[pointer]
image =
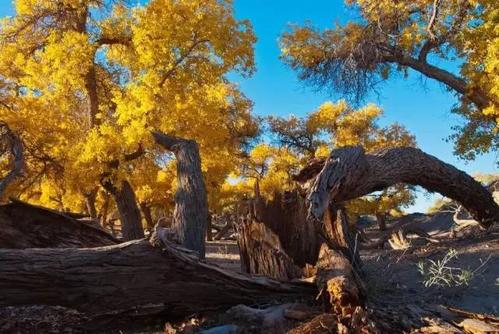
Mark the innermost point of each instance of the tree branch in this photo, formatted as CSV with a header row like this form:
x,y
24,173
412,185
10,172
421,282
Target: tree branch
x,y
350,173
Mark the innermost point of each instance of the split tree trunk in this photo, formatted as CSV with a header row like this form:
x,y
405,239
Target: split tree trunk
x,y
191,206
261,252
131,280
350,173
131,221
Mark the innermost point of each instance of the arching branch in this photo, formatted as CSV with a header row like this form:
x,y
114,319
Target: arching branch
x,y
12,143
350,173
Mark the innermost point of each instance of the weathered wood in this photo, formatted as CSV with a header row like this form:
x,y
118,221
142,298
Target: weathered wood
x,y
224,230
350,173
10,141
131,280
336,232
191,206
27,226
261,252
286,217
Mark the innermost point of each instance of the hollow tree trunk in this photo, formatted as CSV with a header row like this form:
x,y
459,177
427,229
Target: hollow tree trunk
x,y
131,221
350,173
130,280
11,141
191,206
275,239
146,211
261,252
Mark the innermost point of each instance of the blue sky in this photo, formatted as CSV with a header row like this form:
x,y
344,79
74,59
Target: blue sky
x,y
420,104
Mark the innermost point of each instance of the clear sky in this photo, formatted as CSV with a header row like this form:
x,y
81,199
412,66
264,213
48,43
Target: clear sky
x,y
420,104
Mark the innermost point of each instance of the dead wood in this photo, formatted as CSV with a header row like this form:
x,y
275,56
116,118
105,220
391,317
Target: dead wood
x,y
27,226
131,281
349,173
223,231
261,252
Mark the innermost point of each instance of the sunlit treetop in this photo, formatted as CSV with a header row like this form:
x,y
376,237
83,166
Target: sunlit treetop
x,y
395,36
85,83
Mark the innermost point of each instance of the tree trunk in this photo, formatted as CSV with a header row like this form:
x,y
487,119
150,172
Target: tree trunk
x,y
131,221
11,142
209,232
191,206
90,198
131,280
220,234
146,211
27,226
381,219
350,173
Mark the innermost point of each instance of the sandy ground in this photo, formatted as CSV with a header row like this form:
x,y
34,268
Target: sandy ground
x,y
392,275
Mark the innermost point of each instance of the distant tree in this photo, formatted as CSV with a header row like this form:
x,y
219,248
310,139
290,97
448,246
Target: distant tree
x,y
394,36
335,125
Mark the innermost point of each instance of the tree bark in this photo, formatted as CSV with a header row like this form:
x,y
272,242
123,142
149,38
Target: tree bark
x,y
381,219
209,232
131,280
27,226
146,212
11,142
286,216
350,173
90,198
191,206
131,221
261,252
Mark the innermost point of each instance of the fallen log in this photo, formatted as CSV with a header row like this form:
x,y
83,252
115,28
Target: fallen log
x,y
24,225
349,173
130,282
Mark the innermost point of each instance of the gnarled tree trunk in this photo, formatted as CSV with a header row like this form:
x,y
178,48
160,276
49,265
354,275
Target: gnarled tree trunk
x,y
191,206
350,173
